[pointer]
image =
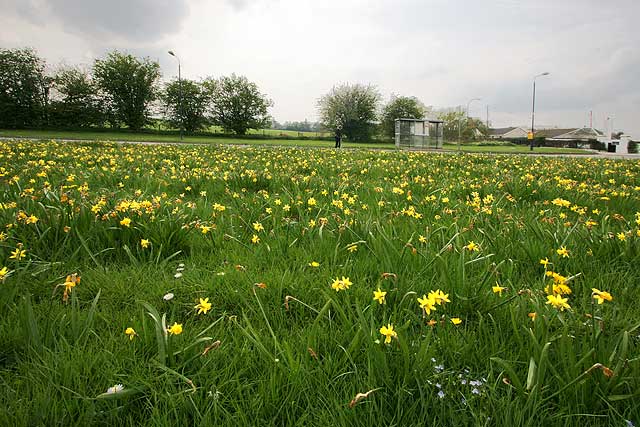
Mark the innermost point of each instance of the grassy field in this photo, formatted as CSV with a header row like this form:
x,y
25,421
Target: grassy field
x,y
513,149
147,137
141,137
269,132
163,138
206,285
291,133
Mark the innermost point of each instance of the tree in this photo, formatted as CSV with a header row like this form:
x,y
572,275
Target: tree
x,y
237,105
76,103
400,107
129,87
275,124
457,123
350,110
186,103
24,88
298,126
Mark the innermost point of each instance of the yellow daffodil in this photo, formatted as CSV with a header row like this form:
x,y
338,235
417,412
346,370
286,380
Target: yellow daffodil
x,y
144,243
255,239
3,273
439,297
379,296
18,254
388,333
131,333
601,296
341,284
427,303
456,320
563,252
203,306
314,264
472,247
175,329
558,302
497,289
70,282
126,222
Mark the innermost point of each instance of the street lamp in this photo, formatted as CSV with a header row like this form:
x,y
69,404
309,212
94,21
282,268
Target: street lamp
x,y
467,117
609,128
179,93
533,110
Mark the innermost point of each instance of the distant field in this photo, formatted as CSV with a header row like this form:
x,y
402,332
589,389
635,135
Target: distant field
x,y
291,133
207,139
270,132
150,137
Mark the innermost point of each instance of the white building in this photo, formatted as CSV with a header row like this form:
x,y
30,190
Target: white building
x,y
507,133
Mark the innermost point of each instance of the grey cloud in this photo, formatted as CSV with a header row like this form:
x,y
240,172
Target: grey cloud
x,y
569,88
238,4
133,20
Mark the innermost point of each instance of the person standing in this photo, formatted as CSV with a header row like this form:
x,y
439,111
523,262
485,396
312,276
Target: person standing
x,y
338,138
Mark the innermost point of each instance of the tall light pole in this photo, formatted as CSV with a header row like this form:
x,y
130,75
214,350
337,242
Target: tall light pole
x,y
533,109
180,115
610,129
467,118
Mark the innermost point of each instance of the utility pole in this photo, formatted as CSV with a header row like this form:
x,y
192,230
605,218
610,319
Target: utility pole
x,y
459,126
533,109
181,115
487,116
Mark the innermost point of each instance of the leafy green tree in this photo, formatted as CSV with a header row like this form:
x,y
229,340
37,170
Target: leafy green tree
x,y
186,103
128,85
457,123
24,89
75,100
477,129
237,105
350,110
400,107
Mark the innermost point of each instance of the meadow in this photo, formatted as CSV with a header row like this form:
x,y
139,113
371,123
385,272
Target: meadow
x,y
273,139
216,285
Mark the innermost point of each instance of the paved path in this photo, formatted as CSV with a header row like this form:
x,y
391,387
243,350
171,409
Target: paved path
x,y
588,153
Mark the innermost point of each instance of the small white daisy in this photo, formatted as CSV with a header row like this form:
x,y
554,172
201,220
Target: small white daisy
x,y
115,389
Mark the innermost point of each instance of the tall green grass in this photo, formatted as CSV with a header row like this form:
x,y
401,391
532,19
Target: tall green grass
x,y
279,345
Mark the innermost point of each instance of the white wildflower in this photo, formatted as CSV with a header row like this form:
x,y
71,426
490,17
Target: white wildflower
x,y
115,389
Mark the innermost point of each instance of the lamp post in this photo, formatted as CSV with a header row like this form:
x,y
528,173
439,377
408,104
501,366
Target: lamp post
x,y
179,94
610,130
533,109
467,118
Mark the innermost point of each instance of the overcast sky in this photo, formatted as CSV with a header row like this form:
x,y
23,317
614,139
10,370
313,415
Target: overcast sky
x,y
445,52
